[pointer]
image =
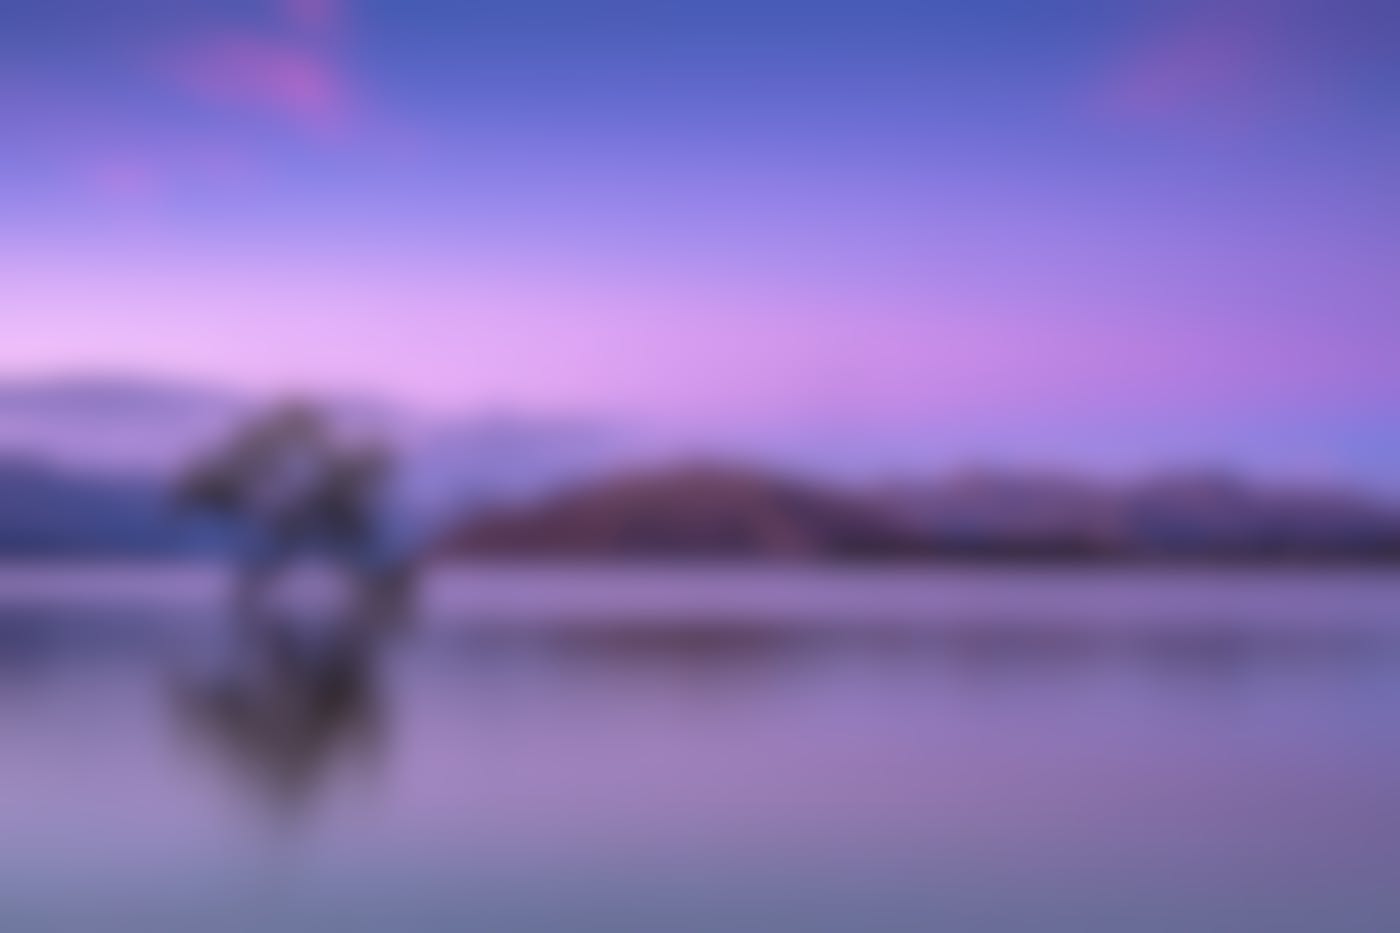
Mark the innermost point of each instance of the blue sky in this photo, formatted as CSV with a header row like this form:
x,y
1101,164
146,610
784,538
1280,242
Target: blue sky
x,y
1096,233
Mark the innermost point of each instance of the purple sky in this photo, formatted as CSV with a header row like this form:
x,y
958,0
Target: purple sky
x,y
1098,233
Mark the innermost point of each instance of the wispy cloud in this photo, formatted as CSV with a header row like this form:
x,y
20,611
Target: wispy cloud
x,y
124,177
169,104
303,84
1210,58
293,70
137,173
316,17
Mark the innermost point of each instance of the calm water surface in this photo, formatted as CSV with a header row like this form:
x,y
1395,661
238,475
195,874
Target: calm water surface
x,y
713,749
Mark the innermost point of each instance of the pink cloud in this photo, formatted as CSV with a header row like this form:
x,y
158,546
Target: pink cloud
x,y
319,17
1205,60
146,173
303,85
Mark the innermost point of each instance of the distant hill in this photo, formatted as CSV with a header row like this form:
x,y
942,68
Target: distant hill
x,y
1186,514
736,512
693,511
49,512
108,423
100,426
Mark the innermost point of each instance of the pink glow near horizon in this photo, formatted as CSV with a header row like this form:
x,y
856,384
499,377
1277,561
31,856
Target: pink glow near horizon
x,y
587,345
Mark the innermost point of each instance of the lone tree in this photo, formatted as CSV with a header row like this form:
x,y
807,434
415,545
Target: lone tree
x,y
292,490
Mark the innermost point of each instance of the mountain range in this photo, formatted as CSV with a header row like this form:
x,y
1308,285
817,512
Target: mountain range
x,y
85,464
726,511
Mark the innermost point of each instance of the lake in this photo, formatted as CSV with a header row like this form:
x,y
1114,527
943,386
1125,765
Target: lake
x,y
708,749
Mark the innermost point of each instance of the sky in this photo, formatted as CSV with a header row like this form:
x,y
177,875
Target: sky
x,y
1101,233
